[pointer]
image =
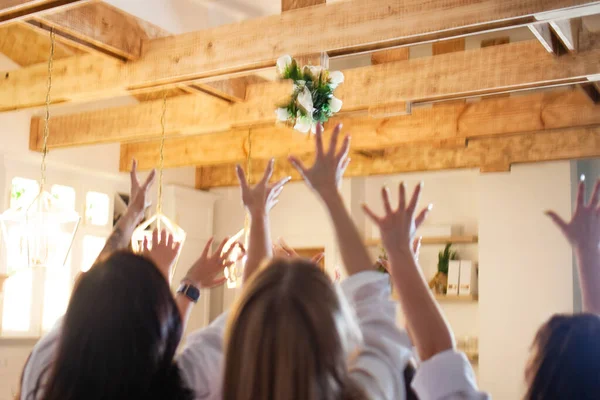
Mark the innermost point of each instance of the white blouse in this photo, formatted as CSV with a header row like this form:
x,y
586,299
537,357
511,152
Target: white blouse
x,y
378,368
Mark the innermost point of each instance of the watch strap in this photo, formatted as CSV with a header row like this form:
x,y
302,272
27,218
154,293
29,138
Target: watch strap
x,y
189,291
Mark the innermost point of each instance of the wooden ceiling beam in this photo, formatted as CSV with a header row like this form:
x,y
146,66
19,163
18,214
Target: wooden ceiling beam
x,y
496,154
244,47
14,10
447,125
101,28
26,46
491,70
481,71
289,5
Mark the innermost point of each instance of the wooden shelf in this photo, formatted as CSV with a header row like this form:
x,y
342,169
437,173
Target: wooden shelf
x,y
457,299
433,240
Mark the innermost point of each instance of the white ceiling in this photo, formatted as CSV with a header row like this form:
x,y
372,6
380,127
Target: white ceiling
x,y
179,16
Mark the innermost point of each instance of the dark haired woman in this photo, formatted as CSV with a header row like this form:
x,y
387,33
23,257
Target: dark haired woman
x,y
122,328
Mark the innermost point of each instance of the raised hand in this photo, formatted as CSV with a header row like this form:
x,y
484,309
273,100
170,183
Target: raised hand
x,y
282,249
163,251
204,272
261,198
398,226
326,174
120,237
139,199
583,231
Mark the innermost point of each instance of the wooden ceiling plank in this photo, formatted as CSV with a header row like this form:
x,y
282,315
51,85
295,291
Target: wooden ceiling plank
x,y
25,46
488,154
14,10
244,47
200,110
446,126
289,5
495,69
99,27
510,67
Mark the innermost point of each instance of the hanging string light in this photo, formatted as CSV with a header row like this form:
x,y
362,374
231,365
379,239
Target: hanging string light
x,y
235,272
40,234
159,220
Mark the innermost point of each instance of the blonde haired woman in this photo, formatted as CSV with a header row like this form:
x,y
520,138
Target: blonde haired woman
x,y
293,334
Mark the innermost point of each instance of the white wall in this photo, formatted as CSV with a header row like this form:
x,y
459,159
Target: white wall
x,y
526,268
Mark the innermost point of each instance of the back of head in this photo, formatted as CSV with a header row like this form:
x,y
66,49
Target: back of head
x,y
119,336
565,361
288,337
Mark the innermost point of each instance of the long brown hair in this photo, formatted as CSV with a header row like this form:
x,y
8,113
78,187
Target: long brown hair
x,y
289,337
565,361
119,336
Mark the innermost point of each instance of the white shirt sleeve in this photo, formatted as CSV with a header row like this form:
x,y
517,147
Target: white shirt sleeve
x,y
40,359
447,376
386,350
201,361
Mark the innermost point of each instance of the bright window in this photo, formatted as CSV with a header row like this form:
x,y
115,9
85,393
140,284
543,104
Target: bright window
x,y
65,195
56,295
97,208
23,192
34,299
16,313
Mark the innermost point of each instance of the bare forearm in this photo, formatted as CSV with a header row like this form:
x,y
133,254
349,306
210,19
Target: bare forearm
x,y
259,243
588,263
352,247
185,306
430,331
120,237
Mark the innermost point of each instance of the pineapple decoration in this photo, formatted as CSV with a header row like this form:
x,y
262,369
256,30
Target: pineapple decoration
x,y
439,283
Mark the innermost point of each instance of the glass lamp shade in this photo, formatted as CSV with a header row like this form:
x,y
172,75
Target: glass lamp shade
x,y
39,235
234,272
161,222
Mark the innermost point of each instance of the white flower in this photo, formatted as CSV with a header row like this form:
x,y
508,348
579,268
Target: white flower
x,y
336,78
315,71
304,124
305,101
335,104
282,114
283,63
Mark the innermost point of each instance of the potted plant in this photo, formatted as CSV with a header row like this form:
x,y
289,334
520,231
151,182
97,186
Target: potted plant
x,y
439,283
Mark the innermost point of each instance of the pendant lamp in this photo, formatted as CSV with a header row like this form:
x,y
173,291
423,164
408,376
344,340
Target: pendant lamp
x,y
40,234
159,220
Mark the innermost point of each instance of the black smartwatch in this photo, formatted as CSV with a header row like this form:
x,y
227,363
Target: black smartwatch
x,y
189,291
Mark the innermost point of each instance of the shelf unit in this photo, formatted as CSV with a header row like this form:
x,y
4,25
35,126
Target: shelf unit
x,y
442,298
436,240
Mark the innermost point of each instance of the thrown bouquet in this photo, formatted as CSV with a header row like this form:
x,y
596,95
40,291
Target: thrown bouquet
x,y
312,99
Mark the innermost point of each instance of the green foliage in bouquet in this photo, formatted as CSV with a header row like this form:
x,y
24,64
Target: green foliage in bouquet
x,y
312,99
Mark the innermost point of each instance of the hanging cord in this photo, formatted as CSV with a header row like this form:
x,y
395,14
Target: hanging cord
x,y
47,116
161,161
249,172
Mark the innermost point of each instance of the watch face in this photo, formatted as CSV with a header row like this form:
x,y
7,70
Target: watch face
x,y
193,293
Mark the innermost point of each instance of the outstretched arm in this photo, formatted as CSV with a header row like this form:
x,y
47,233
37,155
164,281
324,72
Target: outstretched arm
x,y
583,232
120,237
430,331
325,177
259,200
